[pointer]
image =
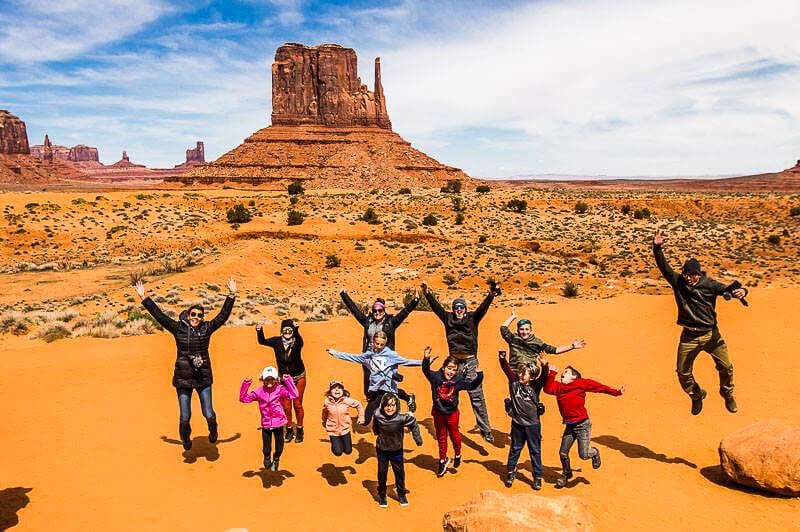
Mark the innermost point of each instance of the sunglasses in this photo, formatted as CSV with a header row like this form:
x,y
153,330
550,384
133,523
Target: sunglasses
x,y
287,330
459,307
195,314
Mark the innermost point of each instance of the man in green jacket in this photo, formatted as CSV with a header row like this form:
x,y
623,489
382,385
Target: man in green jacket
x,y
525,348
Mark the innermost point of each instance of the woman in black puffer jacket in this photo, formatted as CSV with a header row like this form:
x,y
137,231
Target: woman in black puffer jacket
x,y
193,363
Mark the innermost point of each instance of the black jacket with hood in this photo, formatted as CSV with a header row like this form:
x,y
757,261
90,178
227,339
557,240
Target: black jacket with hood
x,y
290,363
391,429
462,334
696,304
389,323
191,343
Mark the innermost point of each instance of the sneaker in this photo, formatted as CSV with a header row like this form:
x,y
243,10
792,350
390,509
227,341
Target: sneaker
x,y
403,499
267,463
563,479
456,461
596,458
412,402
537,483
697,402
510,478
730,404
382,501
275,465
300,435
289,436
488,436
443,467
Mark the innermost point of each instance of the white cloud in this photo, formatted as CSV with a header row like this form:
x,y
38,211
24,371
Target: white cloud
x,y
42,30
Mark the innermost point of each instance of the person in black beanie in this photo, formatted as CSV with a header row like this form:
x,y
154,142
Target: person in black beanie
x,y
696,297
288,349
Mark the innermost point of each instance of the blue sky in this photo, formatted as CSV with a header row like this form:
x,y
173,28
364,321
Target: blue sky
x,y
584,87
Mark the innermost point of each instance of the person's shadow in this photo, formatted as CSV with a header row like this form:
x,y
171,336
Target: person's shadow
x,y
335,475
12,500
549,473
425,461
465,440
501,439
268,477
201,448
365,450
635,450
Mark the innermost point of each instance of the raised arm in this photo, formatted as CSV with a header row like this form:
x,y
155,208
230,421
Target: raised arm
x,y
480,312
353,308
263,340
550,384
474,383
290,390
227,307
661,261
577,344
400,317
246,396
426,367
510,375
298,339
509,321
436,307
360,359
402,361
164,320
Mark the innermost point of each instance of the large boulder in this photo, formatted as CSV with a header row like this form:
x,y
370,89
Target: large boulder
x,y
490,511
764,455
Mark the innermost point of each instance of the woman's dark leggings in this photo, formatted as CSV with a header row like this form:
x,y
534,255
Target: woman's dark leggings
x,y
342,444
267,435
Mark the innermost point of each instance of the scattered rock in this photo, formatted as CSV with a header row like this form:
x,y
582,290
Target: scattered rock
x,y
764,455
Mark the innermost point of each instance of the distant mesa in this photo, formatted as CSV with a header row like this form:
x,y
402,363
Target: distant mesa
x,y
13,135
83,155
327,129
125,162
194,156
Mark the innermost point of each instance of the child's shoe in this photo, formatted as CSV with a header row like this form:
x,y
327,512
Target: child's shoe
x,y
382,501
456,461
412,402
275,465
267,463
443,467
510,478
537,483
596,458
403,499
697,402
300,435
289,436
730,404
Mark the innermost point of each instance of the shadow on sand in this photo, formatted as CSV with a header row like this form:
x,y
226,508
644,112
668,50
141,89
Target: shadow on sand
x,y
549,473
268,477
201,448
12,500
335,475
635,450
714,474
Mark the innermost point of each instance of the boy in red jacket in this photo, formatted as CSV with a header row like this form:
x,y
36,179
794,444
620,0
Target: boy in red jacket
x,y
570,391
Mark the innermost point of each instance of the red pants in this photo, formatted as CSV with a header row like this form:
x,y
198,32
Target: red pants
x,y
444,425
297,403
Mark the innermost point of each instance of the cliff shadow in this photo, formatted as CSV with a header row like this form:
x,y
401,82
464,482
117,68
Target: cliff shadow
x,y
335,475
269,478
715,475
12,500
635,450
201,448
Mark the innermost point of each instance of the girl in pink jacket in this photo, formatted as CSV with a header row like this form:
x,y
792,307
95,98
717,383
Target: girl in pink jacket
x,y
273,417
336,419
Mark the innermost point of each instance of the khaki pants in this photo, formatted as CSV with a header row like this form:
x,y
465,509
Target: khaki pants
x,y
691,345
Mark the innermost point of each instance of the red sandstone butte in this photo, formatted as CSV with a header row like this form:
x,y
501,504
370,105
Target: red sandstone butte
x,y
13,135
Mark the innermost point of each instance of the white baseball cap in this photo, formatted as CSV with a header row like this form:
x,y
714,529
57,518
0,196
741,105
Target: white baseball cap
x,y
269,371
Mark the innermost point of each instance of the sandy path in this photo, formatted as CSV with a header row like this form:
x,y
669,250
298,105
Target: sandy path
x,y
84,421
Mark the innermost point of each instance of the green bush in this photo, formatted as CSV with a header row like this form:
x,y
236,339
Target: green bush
x,y
533,284
517,205
295,217
626,209
370,217
430,219
569,289
404,190
581,207
459,218
482,239
332,261
640,214
483,189
453,186
238,214
449,279
423,304
794,211
293,200
295,188
775,240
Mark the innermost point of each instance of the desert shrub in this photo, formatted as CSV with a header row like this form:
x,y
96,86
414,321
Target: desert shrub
x,y
295,188
53,331
295,217
482,239
517,205
534,246
332,261
453,186
138,327
626,209
251,203
135,315
581,207
458,204
293,200
104,330
459,218
404,190
641,214
370,217
430,219
423,304
483,189
533,284
569,289
794,211
238,214
14,322
449,279
774,239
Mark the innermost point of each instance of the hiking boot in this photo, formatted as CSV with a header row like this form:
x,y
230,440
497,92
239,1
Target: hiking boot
x,y
537,483
275,465
185,431
267,463
566,474
730,404
443,467
456,461
300,435
382,501
403,499
510,478
412,402
289,436
596,458
697,402
488,436
213,430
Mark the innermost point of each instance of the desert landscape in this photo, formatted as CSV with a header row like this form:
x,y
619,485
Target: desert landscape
x,y
329,197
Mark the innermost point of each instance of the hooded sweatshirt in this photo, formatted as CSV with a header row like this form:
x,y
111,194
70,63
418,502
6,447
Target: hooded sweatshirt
x,y
382,367
336,414
523,352
462,334
391,429
290,361
191,343
269,401
571,397
696,304
445,391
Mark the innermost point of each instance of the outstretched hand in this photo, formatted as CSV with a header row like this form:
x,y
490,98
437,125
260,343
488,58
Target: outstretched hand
x,y
259,326
247,381
139,287
658,238
424,286
739,293
330,351
579,344
416,294
427,352
231,286
622,389
513,313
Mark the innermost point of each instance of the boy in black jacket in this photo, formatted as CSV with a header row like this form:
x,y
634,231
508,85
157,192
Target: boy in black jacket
x,y
445,385
389,426
696,297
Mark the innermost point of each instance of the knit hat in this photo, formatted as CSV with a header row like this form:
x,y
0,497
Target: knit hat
x,y
692,267
287,323
269,371
335,382
460,301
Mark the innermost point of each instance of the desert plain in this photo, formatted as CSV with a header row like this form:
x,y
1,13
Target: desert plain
x,y
90,432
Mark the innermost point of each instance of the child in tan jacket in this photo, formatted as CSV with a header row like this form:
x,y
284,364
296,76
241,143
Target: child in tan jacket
x,y
336,418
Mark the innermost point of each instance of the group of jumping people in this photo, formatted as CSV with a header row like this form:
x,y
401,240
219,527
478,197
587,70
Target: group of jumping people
x,y
525,365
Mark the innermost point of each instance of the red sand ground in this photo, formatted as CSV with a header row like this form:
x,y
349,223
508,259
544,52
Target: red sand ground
x,y
86,422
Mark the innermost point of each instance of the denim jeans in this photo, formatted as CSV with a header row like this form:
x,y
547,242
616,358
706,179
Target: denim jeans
x,y
185,402
466,368
520,435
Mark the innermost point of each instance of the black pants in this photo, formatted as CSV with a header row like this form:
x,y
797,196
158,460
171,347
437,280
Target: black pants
x,y
342,444
396,459
267,435
520,435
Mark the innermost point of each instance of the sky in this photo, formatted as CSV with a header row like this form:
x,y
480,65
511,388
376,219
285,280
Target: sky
x,y
503,88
